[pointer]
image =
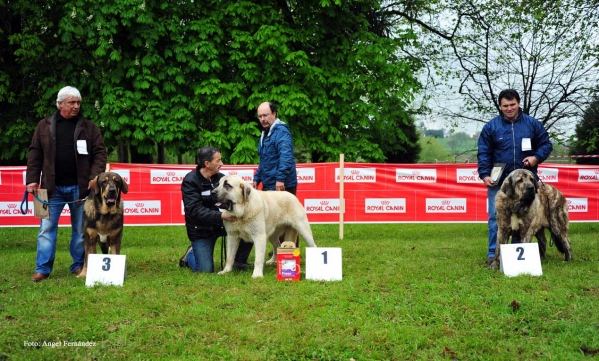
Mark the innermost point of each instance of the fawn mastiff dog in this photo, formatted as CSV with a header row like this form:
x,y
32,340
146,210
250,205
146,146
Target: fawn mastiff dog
x,y
103,216
525,207
261,215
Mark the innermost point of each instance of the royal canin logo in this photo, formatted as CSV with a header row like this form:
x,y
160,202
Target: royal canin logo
x,y
416,172
596,171
539,172
355,171
475,172
171,174
445,202
385,202
140,204
324,203
11,205
569,202
233,172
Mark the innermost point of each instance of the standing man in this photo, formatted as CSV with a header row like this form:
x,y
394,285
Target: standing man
x,y
515,139
276,170
68,152
203,219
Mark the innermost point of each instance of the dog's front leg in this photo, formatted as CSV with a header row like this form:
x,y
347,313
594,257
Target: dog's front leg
x,y
89,243
260,246
232,246
501,239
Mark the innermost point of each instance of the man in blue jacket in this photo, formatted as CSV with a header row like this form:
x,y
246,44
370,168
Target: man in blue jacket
x,y
515,139
276,170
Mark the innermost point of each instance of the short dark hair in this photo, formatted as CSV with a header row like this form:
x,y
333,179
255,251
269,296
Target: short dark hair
x,y
508,94
205,154
273,107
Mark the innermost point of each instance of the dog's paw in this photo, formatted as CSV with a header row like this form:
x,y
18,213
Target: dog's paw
x,y
271,261
81,275
257,275
493,265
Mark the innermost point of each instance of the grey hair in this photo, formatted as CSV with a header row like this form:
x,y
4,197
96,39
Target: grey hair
x,y
67,92
205,154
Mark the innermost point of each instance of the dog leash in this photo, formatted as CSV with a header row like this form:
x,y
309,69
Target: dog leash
x,y
46,204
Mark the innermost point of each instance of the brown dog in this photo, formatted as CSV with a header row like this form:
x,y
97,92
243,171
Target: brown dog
x,y
103,216
527,208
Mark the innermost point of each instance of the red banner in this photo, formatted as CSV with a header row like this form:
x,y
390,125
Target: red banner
x,y
373,193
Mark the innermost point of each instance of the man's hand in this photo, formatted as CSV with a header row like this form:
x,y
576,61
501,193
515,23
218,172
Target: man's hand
x,y
280,186
32,188
228,216
530,161
488,182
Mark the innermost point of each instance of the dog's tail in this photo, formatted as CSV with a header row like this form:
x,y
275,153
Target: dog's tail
x,y
558,241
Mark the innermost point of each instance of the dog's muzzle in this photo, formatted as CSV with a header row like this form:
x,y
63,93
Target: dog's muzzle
x,y
529,195
111,196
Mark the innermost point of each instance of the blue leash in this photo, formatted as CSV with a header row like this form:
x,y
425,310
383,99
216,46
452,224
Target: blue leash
x,y
26,197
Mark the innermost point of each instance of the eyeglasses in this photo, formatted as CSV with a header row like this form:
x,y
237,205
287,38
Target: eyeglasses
x,y
260,116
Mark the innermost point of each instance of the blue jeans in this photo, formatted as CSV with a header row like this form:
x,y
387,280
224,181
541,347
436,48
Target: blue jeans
x,y
201,258
46,238
491,193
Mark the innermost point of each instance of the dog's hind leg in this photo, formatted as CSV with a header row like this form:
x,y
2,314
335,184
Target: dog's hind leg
x,y
104,243
542,241
274,240
562,243
232,246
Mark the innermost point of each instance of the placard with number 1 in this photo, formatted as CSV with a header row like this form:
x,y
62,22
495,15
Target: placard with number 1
x,y
323,264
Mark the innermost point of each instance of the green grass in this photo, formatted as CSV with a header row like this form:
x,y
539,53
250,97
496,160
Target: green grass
x,y
409,292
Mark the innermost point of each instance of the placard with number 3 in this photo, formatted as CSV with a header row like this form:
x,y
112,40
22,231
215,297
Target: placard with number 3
x,y
106,269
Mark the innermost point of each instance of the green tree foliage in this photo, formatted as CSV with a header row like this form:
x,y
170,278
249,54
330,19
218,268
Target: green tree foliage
x,y
433,151
587,135
178,75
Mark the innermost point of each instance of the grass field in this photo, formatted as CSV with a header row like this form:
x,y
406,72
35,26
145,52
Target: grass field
x,y
409,292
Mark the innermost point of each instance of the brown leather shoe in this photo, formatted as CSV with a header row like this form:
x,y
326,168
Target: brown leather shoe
x,y
78,271
39,276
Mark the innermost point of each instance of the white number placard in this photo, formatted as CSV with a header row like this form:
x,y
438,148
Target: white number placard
x,y
520,258
106,269
324,264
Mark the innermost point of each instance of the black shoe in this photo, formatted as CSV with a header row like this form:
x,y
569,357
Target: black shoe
x,y
489,261
183,260
241,266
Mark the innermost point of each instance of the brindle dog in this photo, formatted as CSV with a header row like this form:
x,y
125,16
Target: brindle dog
x,y
103,216
526,208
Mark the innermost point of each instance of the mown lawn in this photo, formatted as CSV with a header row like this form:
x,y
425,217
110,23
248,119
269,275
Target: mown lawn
x,y
409,292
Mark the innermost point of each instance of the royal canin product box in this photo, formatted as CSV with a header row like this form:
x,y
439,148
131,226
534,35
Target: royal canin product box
x,y
288,264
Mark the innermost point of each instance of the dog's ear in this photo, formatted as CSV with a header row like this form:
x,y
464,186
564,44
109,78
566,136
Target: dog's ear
x,y
95,186
124,186
508,186
246,188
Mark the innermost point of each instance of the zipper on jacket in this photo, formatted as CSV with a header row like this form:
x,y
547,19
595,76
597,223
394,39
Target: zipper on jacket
x,y
513,146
